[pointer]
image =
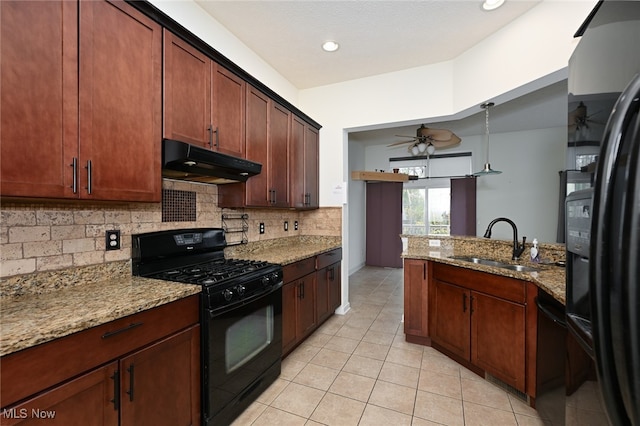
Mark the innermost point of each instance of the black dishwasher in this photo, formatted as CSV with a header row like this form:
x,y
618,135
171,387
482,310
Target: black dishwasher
x,y
550,359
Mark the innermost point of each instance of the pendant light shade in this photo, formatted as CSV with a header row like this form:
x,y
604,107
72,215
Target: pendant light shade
x,y
487,170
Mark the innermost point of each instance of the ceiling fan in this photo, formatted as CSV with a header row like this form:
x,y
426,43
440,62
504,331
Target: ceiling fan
x,y
579,119
428,140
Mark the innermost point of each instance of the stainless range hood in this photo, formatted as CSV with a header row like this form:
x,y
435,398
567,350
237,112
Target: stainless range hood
x,y
184,161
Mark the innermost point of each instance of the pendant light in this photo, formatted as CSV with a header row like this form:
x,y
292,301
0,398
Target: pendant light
x,y
487,170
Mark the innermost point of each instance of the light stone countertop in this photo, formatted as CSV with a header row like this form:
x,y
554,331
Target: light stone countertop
x,y
36,317
284,250
548,277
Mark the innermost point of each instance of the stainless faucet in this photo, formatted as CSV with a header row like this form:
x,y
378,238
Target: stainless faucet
x,y
517,249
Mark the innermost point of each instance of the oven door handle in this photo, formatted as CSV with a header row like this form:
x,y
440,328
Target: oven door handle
x,y
223,309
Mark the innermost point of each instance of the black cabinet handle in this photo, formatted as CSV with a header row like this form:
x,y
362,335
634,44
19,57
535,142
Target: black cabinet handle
x,y
471,303
74,185
130,391
116,390
89,173
464,302
122,330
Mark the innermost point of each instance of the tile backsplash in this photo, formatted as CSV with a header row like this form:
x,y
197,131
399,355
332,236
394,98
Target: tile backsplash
x,y
37,237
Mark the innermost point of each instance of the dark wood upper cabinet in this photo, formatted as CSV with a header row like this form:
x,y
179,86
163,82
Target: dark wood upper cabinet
x,y
81,107
278,160
303,152
204,103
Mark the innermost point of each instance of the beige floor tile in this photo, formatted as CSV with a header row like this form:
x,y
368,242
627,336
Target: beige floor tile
x,y
481,415
440,383
404,357
330,358
399,374
272,416
378,416
351,332
394,397
318,339
485,393
316,376
298,399
338,410
304,352
333,324
386,326
399,341
361,322
417,421
272,391
379,338
533,421
290,368
372,350
353,386
342,344
439,409
363,366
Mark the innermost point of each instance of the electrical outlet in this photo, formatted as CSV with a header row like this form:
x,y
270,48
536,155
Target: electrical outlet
x,y
295,225
112,240
286,225
262,227
434,243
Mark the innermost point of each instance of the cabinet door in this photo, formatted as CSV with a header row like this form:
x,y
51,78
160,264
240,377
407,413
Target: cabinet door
x,y
187,92
450,318
256,147
86,400
498,338
306,309
120,103
416,292
311,152
289,305
160,384
228,108
278,162
335,286
323,309
39,97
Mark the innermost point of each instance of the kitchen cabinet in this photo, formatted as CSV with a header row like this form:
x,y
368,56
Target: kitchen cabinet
x,y
481,319
312,291
416,307
204,103
144,368
299,315
81,108
303,151
329,283
267,130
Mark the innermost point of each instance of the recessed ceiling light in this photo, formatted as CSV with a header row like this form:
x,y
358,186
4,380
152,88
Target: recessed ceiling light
x,y
330,46
492,4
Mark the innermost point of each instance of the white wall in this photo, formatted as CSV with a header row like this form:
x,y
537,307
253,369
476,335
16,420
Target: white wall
x,y
357,211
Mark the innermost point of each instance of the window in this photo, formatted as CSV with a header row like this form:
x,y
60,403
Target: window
x,y
426,202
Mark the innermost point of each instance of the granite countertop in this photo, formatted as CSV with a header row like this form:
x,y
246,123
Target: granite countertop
x,y
43,309
548,276
284,250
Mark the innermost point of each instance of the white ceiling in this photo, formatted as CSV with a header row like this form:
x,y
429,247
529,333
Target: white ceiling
x,y
375,37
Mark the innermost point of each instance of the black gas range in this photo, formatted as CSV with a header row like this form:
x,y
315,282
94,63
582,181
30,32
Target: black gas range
x,y
241,313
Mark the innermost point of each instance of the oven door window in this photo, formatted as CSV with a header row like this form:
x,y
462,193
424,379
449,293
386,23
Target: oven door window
x,y
248,337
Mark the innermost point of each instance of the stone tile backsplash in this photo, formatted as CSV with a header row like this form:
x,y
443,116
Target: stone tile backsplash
x,y
37,237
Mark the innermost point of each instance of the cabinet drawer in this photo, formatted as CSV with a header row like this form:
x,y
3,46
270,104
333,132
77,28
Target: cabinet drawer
x,y
298,269
32,370
495,285
328,258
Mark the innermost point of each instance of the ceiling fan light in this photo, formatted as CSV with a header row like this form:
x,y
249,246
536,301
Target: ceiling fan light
x,y
422,147
492,4
431,149
415,150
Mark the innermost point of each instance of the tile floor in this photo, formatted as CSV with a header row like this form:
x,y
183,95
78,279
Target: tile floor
x,y
357,369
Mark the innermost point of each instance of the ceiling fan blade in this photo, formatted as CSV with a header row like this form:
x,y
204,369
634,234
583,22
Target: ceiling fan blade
x,y
400,143
454,140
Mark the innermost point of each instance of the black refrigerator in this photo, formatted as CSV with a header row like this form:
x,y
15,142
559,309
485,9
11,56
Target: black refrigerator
x,y
603,313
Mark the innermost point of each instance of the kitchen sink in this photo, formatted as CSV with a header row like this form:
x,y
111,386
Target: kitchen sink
x,y
494,263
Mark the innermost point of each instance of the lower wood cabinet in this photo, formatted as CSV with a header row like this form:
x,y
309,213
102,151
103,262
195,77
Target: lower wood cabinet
x,y
416,307
481,319
158,383
311,293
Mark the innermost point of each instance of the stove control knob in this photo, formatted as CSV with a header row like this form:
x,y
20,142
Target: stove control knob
x,y
240,290
266,281
227,294
275,277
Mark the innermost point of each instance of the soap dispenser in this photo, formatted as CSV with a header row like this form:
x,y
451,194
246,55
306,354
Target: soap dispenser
x,y
535,252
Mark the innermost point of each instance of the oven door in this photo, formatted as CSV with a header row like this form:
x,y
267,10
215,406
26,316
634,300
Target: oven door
x,y
242,350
